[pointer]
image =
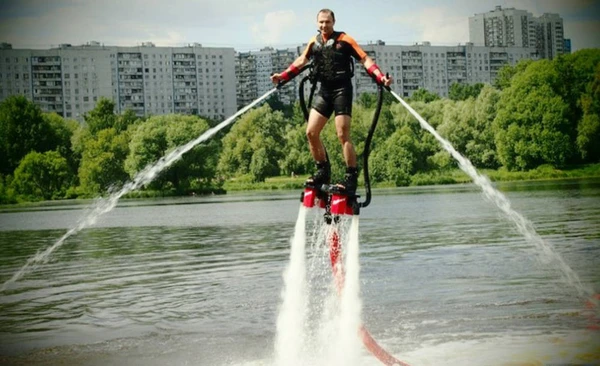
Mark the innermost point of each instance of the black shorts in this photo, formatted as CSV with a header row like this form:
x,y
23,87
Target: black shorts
x,y
330,100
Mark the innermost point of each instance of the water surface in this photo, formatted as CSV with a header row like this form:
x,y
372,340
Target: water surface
x,y
445,278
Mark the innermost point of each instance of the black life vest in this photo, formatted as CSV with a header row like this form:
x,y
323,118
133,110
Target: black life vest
x,y
333,64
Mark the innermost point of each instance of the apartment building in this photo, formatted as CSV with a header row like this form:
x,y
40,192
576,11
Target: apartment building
x,y
246,78
253,72
69,80
436,68
510,27
419,66
215,82
550,36
503,28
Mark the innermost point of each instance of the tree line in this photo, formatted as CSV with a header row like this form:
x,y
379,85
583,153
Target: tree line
x,y
535,113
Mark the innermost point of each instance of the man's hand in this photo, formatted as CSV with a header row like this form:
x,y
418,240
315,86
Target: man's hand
x,y
276,78
386,80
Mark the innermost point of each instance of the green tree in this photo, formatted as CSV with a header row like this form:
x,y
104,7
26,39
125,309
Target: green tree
x,y
103,116
22,129
7,192
277,105
102,162
259,128
588,130
482,148
395,160
297,158
532,125
424,95
367,100
408,148
468,126
63,131
584,64
464,91
42,175
158,136
507,72
81,134
261,166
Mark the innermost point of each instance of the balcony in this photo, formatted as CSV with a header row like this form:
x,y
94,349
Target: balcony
x,y
45,60
129,56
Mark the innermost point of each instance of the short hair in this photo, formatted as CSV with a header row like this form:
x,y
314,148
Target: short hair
x,y
328,11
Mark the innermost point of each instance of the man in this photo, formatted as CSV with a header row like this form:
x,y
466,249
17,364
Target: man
x,y
331,53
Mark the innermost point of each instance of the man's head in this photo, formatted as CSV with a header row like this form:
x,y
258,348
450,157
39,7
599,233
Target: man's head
x,y
325,21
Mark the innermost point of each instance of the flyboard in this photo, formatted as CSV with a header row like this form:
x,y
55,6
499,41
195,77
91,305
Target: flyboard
x,y
336,202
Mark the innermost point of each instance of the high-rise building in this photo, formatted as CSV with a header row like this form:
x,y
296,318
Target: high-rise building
x,y
246,78
421,66
253,72
436,68
215,82
281,60
550,36
511,27
503,28
69,80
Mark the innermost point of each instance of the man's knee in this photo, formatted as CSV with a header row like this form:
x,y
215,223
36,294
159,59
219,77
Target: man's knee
x,y
343,136
311,134
342,127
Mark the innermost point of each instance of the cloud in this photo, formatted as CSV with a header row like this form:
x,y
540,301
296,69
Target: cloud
x,y
563,7
41,24
448,25
254,24
438,25
274,27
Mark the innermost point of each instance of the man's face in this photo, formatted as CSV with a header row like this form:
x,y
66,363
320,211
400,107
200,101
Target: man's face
x,y
325,23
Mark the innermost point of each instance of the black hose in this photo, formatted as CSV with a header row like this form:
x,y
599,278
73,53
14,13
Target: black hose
x,y
368,146
301,97
302,100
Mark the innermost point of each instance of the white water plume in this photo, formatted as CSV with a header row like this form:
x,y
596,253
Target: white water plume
x,y
290,339
350,345
145,176
547,253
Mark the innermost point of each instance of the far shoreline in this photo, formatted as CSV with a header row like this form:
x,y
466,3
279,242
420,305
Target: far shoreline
x,y
238,185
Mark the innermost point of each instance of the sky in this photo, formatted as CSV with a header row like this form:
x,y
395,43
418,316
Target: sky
x,y
253,24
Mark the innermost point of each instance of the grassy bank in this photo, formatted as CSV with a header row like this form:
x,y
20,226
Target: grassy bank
x,y
544,172
455,176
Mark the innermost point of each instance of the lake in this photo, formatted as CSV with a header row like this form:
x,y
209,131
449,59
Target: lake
x,y
445,278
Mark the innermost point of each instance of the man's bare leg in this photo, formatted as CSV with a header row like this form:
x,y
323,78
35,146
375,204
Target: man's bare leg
x,y
316,122
342,126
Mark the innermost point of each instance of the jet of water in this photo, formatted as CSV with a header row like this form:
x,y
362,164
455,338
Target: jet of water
x,y
349,343
290,340
547,253
145,176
